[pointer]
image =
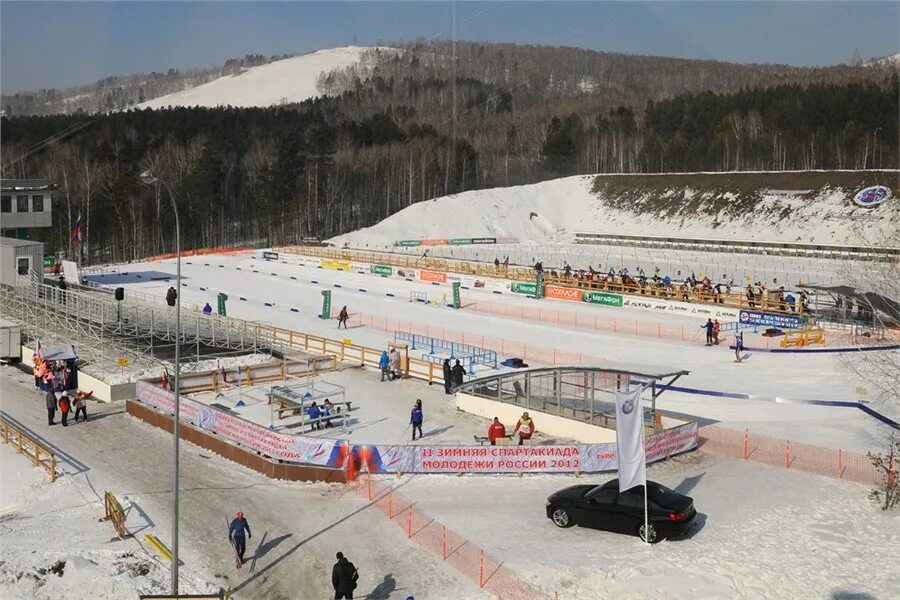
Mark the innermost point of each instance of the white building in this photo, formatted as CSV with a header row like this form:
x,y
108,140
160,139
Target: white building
x,y
24,204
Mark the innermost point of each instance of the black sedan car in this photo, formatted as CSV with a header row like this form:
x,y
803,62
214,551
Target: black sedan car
x,y
603,507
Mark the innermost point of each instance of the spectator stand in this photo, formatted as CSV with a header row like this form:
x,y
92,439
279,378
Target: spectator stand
x,y
438,349
297,398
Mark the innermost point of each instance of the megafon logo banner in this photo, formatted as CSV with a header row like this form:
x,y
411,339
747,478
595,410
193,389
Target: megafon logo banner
x,y
433,276
871,197
561,293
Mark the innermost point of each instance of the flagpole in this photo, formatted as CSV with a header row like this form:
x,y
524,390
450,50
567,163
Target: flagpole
x,y
646,509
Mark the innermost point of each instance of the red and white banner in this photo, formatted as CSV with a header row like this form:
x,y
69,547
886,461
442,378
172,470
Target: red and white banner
x,y
592,458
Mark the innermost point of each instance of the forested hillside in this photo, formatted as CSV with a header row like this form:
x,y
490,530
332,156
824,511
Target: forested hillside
x,y
523,114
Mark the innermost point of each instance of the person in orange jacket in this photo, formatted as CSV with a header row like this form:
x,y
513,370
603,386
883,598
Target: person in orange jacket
x,y
496,431
525,428
716,329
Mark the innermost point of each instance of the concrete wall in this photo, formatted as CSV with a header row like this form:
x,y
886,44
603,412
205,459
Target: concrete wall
x,y
244,456
546,423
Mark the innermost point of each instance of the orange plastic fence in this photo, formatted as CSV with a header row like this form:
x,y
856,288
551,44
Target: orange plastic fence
x,y
829,462
467,558
201,251
642,327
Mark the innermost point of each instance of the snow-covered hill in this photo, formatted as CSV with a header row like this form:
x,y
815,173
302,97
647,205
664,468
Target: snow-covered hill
x,y
289,80
810,207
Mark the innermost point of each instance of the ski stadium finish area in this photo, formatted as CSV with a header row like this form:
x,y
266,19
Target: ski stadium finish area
x,y
741,350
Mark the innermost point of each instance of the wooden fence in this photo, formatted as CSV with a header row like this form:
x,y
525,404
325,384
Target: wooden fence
x,y
39,454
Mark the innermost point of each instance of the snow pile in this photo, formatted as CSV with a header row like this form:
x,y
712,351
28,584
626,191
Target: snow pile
x,y
289,80
551,211
137,373
54,548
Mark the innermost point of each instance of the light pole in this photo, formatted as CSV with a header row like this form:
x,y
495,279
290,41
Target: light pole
x,y
148,178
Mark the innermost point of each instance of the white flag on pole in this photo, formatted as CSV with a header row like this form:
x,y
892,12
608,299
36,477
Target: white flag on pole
x,y
630,439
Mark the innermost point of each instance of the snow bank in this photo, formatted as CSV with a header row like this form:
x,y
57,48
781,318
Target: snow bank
x,y
54,548
289,80
706,205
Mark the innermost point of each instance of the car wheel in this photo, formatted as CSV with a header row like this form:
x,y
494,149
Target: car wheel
x,y
561,518
652,537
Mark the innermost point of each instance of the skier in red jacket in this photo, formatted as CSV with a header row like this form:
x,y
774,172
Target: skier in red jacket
x,y
496,431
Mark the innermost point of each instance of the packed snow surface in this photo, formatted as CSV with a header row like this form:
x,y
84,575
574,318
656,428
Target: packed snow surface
x,y
289,80
551,211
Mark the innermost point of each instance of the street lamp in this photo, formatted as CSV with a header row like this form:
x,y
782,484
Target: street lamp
x,y
148,178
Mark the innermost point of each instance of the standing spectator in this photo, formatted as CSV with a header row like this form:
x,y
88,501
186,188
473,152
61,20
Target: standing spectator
x,y
716,329
51,406
415,419
458,373
448,376
80,407
496,431
171,296
327,407
342,317
395,365
384,364
64,409
207,309
314,414
62,289
344,576
709,331
525,428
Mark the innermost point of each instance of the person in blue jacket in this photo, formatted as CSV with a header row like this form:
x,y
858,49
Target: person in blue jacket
x,y
207,309
383,363
314,413
416,418
236,534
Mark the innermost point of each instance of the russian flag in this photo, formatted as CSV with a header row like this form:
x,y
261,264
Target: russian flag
x,y
76,232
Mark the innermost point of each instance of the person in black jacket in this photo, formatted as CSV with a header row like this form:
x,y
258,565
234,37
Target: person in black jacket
x,y
51,406
171,296
343,578
448,376
458,372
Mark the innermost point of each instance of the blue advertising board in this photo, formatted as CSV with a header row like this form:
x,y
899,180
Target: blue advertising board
x,y
749,318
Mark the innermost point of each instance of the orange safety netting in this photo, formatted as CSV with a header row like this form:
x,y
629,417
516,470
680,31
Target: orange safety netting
x,y
829,462
466,557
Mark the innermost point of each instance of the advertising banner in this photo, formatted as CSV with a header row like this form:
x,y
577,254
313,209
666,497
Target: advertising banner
x,y
291,448
461,242
587,458
562,293
766,319
433,276
409,243
680,308
339,265
593,458
604,298
381,270
484,240
518,287
436,242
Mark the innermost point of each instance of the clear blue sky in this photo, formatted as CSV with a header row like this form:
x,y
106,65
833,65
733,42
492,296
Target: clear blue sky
x,y
59,44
